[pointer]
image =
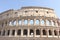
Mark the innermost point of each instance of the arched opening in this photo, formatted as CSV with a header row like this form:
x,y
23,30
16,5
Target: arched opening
x,y
14,22
0,32
50,32
3,32
31,22
55,32
19,22
48,22
31,32
19,32
10,23
25,32
53,23
59,32
8,32
37,32
13,32
37,22
42,22
6,23
25,22
44,32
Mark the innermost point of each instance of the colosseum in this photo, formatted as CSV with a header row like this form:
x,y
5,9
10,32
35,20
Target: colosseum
x,y
29,23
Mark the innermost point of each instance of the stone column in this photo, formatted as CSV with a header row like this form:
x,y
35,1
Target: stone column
x,y
39,21
45,22
1,32
28,22
28,32
17,22
34,32
8,23
56,24
5,33
53,32
58,32
4,24
51,22
15,32
12,23
34,22
10,33
21,32
41,32
47,32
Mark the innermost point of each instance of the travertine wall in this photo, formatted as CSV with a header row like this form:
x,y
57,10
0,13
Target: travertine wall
x,y
29,13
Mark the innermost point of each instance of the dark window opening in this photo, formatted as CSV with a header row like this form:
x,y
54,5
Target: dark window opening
x,y
13,32
59,32
8,32
44,32
25,32
0,32
47,12
31,32
3,33
19,32
55,32
20,15
31,15
50,33
15,12
26,11
37,32
36,11
6,23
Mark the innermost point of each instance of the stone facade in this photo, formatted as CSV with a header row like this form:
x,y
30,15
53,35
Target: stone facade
x,y
29,23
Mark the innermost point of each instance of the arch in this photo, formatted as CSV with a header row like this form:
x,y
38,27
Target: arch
x,y
13,32
31,22
8,32
31,32
6,23
3,32
55,32
53,23
50,32
14,22
10,23
25,22
37,22
48,22
42,22
36,11
19,32
37,32
44,32
19,22
0,32
25,32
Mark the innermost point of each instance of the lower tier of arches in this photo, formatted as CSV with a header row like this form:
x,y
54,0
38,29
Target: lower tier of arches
x,y
30,32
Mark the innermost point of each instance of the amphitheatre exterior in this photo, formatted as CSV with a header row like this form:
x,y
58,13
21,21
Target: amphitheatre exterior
x,y
29,23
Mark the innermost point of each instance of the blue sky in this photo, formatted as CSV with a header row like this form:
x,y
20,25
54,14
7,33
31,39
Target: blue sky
x,y
17,4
